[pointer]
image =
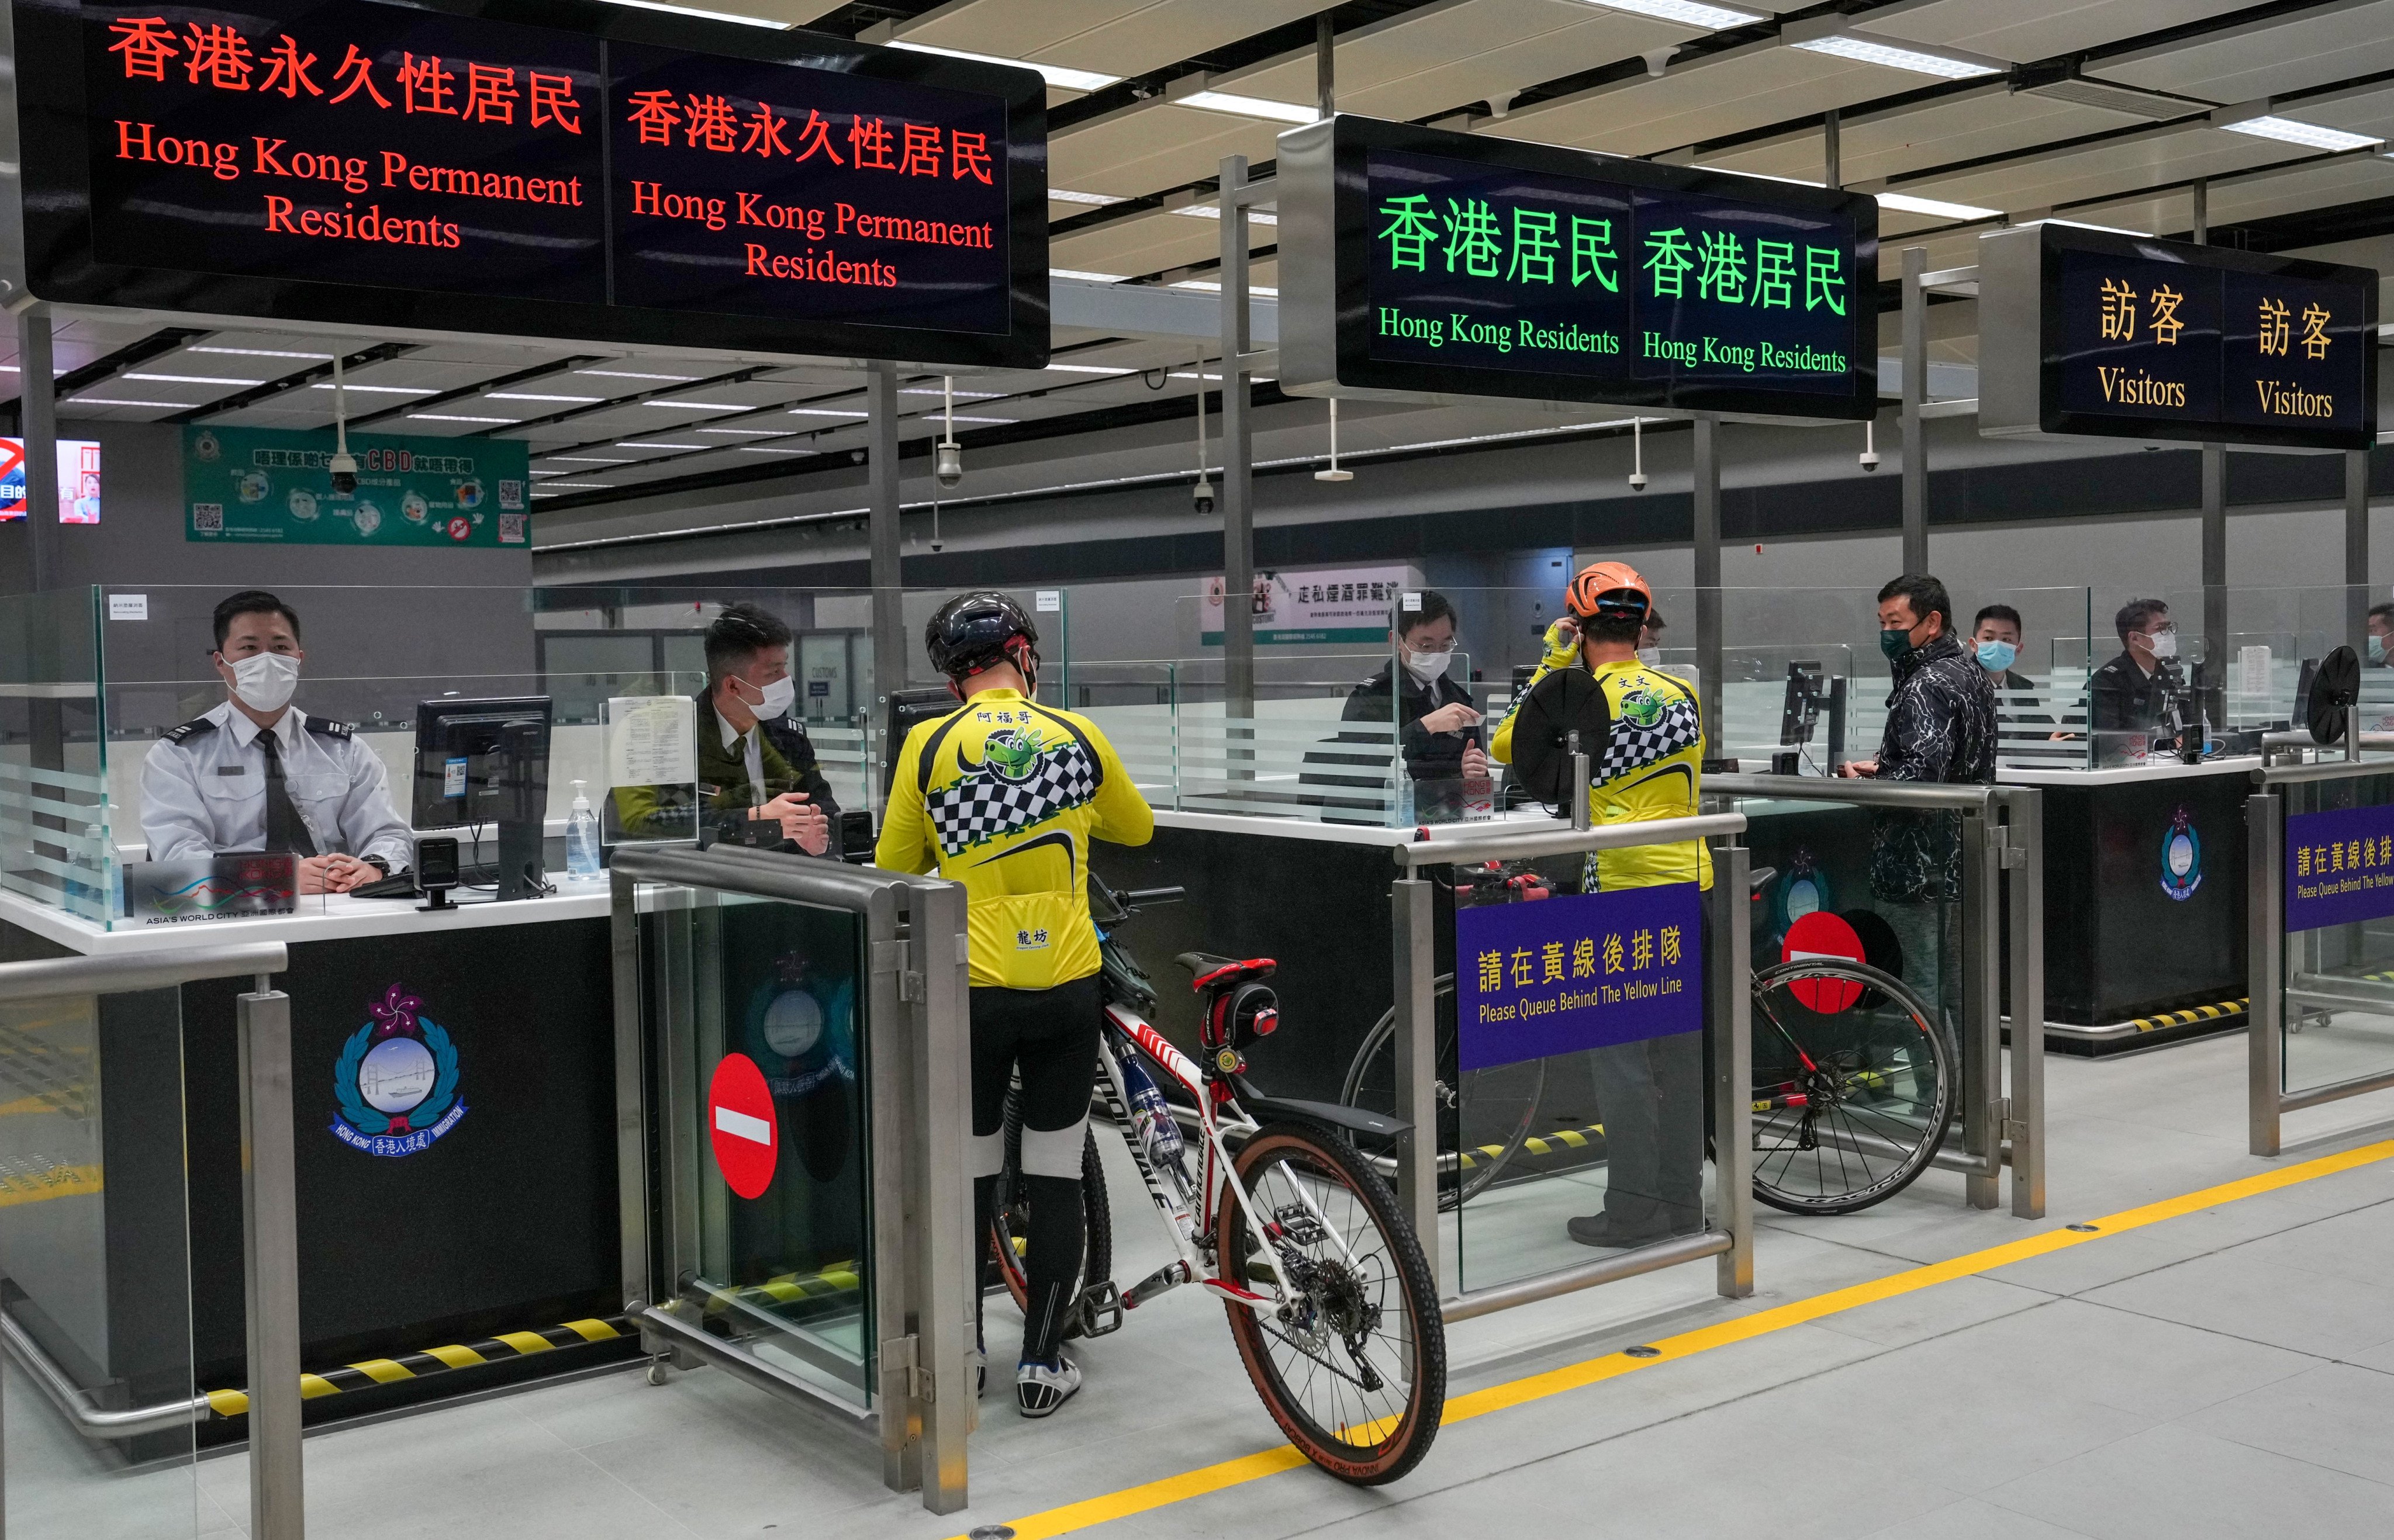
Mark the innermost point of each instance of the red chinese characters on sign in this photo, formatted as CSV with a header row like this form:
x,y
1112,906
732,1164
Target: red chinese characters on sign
x,y
714,123
213,54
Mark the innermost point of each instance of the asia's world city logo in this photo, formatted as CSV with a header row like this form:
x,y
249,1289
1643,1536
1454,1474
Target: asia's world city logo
x,y
2181,856
397,1080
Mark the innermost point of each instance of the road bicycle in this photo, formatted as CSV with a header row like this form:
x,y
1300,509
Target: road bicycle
x,y
1853,1085
1268,1208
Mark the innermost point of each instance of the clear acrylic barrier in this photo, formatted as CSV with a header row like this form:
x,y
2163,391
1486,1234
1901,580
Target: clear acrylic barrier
x,y
2339,1015
95,1269
55,822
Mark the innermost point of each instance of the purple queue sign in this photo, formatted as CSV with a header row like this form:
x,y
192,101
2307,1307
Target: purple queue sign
x,y
2339,867
1577,972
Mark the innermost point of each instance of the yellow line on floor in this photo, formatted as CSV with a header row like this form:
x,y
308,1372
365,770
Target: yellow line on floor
x,y
1151,1495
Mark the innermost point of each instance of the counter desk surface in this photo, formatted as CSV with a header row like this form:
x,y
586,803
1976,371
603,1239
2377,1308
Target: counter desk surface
x,y
333,916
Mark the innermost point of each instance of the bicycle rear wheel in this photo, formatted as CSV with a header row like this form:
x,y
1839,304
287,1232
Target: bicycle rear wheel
x,y
1853,1088
1353,1368
1010,1247
1494,1109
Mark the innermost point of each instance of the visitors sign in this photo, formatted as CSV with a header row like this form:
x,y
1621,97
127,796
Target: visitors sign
x,y
637,178
1420,263
271,485
2094,331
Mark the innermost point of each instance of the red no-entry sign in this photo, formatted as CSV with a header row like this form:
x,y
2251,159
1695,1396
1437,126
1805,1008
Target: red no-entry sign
x,y
739,1122
1823,934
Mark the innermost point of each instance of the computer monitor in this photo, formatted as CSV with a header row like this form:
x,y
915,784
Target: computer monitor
x,y
908,707
487,762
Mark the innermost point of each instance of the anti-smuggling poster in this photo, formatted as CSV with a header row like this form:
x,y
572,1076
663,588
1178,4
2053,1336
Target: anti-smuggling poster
x,y
259,484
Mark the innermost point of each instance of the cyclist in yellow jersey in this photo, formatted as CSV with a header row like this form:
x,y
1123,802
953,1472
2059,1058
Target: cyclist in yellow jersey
x,y
1648,767
1003,795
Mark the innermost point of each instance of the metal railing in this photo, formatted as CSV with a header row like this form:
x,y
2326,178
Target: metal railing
x,y
1415,957
2267,1101
917,1050
269,1218
2002,847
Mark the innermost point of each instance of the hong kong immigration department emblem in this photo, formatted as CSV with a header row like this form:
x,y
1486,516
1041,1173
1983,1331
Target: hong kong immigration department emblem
x,y
397,1080
2181,856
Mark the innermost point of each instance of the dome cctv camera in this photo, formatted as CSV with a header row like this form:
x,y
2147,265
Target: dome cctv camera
x,y
1869,459
1204,496
948,464
1637,481
344,469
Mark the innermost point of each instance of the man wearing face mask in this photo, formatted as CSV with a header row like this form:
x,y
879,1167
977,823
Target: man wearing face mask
x,y
258,773
2132,692
754,761
1432,711
2381,627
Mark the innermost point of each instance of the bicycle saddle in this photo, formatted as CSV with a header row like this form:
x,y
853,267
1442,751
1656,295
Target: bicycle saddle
x,y
1216,973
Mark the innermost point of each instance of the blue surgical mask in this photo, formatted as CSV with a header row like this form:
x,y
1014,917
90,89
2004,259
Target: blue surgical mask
x,y
1895,641
1995,657
2376,648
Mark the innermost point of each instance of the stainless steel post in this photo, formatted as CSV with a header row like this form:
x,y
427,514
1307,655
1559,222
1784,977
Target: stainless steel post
x,y
937,953
2025,1127
1237,455
1733,1029
2214,576
897,1227
1325,73
1915,392
1982,1073
1706,464
37,409
631,1100
883,538
270,1214
1832,156
1416,956
2356,550
2265,933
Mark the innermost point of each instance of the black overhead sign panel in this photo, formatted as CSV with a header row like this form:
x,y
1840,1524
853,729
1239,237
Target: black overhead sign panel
x,y
2090,331
520,166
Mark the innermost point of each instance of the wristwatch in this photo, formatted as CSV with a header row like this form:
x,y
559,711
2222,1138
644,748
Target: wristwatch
x,y
377,863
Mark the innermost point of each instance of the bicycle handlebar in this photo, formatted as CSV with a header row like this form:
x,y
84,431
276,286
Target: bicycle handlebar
x,y
1138,896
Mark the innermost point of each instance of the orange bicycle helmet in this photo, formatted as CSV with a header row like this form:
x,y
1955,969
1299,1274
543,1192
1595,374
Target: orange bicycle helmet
x,y
1603,585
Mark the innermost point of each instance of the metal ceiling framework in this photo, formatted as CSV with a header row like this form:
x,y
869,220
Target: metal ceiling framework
x,y
1962,114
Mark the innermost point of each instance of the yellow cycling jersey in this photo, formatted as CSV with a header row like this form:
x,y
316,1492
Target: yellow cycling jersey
x,y
1653,757
1003,795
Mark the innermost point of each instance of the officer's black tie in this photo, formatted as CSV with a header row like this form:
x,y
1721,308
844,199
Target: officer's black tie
x,y
285,830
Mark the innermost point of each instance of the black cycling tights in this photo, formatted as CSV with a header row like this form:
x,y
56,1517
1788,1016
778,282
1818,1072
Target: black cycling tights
x,y
1050,1036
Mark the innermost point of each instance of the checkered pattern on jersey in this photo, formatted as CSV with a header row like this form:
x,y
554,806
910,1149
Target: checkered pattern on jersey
x,y
981,807
1630,747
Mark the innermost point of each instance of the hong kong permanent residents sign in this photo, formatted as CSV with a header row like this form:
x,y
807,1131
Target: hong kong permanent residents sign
x,y
2088,331
1575,972
1417,263
2339,867
561,169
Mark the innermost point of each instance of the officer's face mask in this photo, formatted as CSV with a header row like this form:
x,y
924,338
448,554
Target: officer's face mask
x,y
1427,666
2376,648
773,700
1995,657
1650,657
264,681
2164,643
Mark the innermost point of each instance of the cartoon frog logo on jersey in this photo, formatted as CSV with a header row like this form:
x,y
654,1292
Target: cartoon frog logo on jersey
x,y
1012,753
1640,708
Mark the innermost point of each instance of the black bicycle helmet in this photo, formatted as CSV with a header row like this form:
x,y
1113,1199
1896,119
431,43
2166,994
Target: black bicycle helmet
x,y
973,631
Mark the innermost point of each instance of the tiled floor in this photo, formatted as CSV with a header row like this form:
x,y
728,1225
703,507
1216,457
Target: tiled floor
x,y
2227,1372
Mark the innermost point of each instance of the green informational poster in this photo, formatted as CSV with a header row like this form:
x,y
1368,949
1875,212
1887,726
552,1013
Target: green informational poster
x,y
261,484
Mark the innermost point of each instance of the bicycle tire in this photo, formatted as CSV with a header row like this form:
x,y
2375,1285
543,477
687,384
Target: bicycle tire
x,y
1809,1075
1355,1281
1006,1243
1479,1163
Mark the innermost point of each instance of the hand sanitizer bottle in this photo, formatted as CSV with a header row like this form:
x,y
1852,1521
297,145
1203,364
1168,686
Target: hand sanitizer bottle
x,y
581,839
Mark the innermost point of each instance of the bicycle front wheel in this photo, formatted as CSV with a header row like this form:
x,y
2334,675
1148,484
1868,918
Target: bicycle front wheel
x,y
1495,1110
1353,1367
1853,1090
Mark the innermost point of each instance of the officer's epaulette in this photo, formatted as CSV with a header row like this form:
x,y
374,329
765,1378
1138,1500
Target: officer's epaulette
x,y
327,727
199,726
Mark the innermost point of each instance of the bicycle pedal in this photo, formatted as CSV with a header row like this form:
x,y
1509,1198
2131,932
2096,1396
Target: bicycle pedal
x,y
1099,1309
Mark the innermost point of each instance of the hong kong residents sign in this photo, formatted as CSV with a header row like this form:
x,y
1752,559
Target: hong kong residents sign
x,y
1416,263
2339,867
561,169
1577,972
2088,331
265,484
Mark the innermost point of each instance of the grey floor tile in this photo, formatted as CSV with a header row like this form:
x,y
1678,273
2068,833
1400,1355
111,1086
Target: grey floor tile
x,y
2241,1294
1934,1312
2358,1245
1972,1519
2336,1414
2173,1483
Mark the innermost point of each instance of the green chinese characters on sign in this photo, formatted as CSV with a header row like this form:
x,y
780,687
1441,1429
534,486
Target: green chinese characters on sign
x,y
271,486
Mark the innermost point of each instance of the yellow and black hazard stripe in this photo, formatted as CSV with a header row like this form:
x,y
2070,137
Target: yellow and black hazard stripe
x,y
1558,1142
790,1288
2225,1011
433,1361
